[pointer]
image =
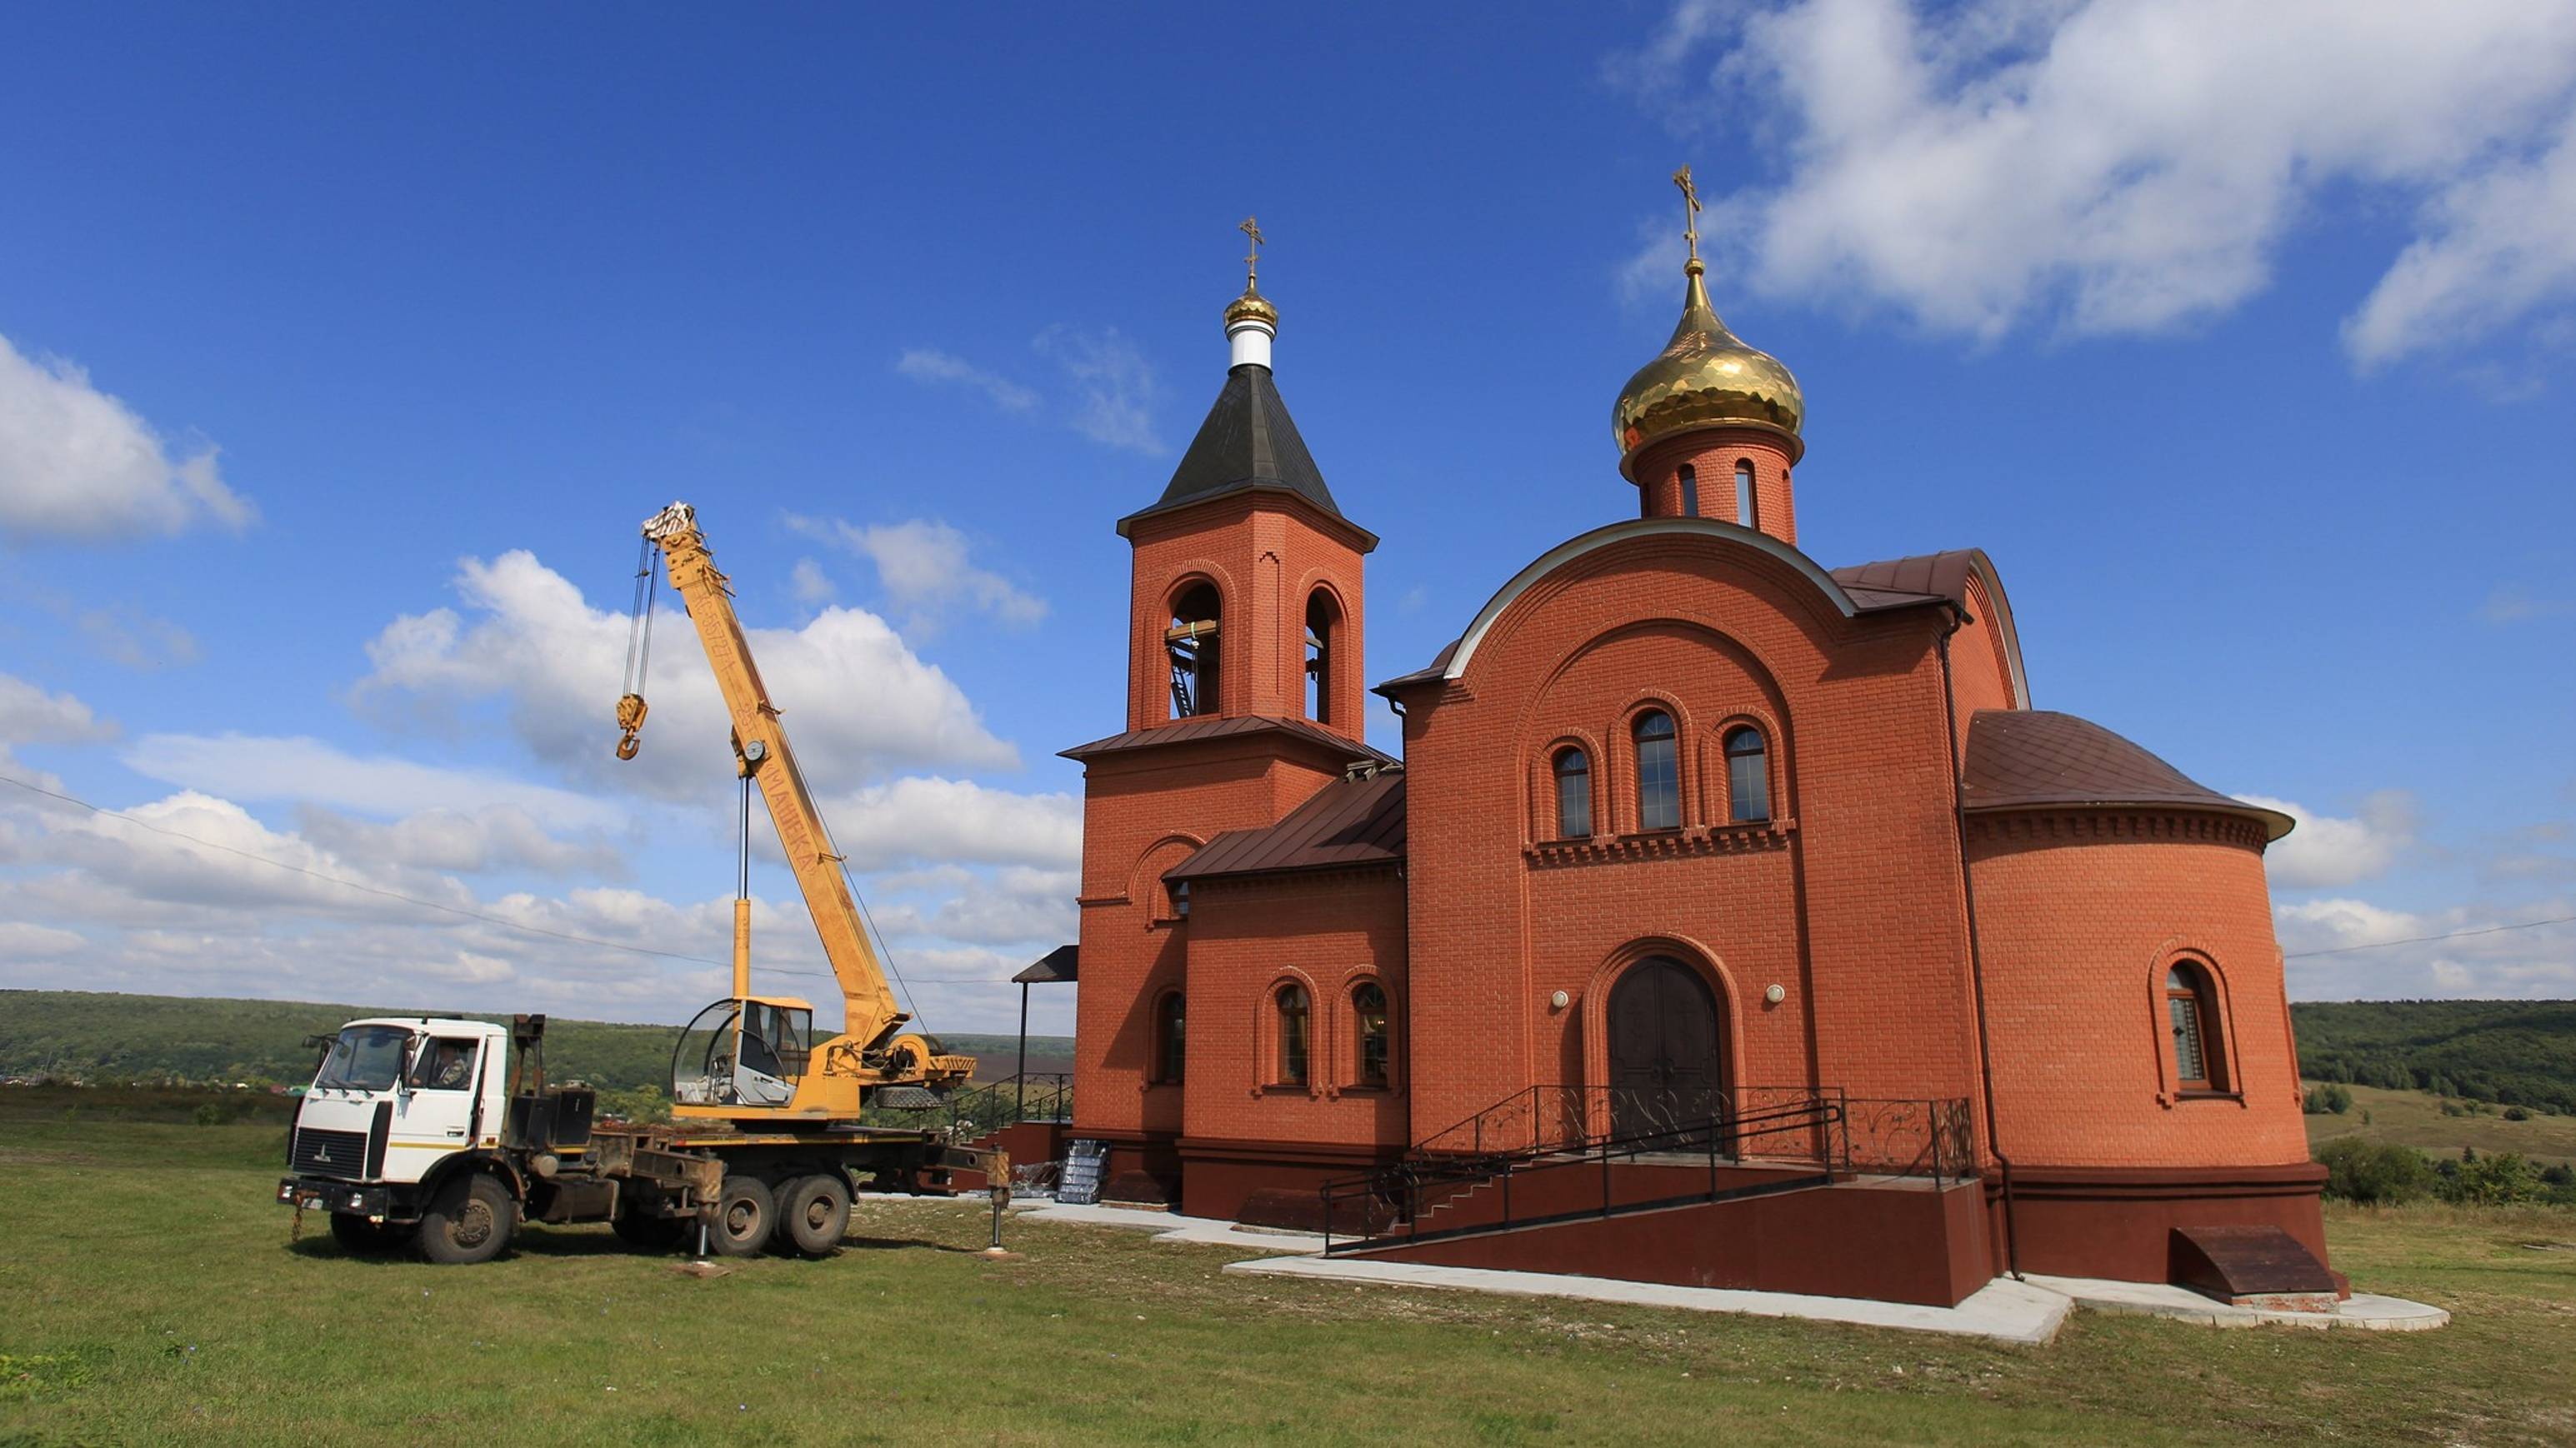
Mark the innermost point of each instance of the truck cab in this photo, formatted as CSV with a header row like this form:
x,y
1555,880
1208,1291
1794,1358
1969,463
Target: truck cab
x,y
403,1114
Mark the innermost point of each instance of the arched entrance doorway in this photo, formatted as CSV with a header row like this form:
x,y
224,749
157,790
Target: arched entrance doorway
x,y
1664,1059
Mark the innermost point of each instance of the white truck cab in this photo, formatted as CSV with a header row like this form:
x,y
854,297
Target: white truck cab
x,y
397,1112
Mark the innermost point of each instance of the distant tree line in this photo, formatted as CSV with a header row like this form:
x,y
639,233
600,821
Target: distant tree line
x,y
96,1038
2510,1053
2358,1170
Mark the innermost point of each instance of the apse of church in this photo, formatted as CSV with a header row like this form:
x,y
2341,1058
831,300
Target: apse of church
x,y
1686,823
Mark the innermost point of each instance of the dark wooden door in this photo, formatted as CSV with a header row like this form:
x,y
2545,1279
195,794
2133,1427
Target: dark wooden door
x,y
1664,1075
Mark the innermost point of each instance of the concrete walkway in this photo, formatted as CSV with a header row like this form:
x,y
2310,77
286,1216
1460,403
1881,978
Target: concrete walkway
x,y
1173,1227
2028,1313
2003,1310
2366,1311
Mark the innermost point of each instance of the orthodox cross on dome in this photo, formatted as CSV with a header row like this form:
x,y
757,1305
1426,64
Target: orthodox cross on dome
x,y
1252,258
1691,208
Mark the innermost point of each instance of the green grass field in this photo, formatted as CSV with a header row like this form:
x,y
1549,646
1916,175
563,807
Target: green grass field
x,y
149,1294
2414,1118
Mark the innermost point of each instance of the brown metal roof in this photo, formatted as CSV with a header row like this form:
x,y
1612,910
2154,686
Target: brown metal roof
x,y
1060,965
1348,822
1902,582
2020,758
1187,730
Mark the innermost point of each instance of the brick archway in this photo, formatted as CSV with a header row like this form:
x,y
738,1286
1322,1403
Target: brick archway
x,y
1666,1047
1691,956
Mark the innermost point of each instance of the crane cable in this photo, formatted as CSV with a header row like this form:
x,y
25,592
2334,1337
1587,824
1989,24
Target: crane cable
x,y
639,616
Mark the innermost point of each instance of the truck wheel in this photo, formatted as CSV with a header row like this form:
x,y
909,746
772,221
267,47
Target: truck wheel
x,y
653,1234
366,1239
470,1221
745,1215
815,1212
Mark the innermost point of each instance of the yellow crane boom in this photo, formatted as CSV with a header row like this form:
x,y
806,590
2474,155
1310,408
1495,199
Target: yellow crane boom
x,y
761,1053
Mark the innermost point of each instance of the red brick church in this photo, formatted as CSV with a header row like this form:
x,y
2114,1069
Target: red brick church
x,y
1699,847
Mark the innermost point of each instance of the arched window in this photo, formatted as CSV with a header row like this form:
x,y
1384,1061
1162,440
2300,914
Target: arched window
x,y
1689,478
1659,779
1323,637
1744,504
1573,795
1191,640
1171,1038
1294,1011
1748,776
1368,1015
2192,1009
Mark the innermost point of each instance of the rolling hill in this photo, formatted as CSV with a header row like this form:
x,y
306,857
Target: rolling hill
x,y
91,1035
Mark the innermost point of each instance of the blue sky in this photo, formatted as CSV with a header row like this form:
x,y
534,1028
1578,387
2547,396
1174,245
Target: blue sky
x,y
345,350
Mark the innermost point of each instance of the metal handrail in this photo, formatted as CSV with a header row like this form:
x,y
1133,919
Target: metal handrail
x,y
1045,1096
1820,1127
1718,1137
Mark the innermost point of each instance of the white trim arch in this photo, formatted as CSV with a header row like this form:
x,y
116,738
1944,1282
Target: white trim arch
x,y
1600,538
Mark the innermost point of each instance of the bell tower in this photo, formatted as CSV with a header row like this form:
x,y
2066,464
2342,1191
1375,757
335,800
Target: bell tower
x,y
1246,598
1244,691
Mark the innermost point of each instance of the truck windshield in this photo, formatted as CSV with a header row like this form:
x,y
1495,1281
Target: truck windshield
x,y
364,1058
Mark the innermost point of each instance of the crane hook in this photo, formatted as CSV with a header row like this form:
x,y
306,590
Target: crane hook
x,y
630,718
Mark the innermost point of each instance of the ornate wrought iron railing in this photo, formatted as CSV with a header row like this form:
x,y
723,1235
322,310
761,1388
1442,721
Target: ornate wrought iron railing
x,y
1560,1180
1815,1134
1549,1118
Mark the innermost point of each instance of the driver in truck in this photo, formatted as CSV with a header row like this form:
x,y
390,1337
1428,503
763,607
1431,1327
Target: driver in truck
x,y
445,1069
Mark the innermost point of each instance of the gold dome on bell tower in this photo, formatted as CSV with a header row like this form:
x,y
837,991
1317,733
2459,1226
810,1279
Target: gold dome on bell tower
x,y
1706,376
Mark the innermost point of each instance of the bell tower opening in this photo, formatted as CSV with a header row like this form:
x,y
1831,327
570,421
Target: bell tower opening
x,y
1323,645
1193,645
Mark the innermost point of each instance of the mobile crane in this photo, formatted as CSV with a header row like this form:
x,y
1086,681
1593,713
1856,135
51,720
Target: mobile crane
x,y
408,1134
756,1063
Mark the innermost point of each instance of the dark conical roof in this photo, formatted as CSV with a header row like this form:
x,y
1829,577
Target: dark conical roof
x,y
1248,442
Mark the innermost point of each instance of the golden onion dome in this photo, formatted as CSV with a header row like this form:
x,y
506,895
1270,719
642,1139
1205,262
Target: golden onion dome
x,y
1705,377
1253,305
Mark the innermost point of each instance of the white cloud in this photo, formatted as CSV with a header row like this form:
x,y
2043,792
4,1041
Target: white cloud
x,y
77,463
2500,244
927,364
2329,852
467,841
2520,605
921,820
1116,386
859,701
810,584
2479,949
258,767
22,941
924,566
2131,165
29,715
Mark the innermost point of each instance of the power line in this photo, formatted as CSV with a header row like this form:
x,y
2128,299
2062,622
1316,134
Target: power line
x,y
457,910
2422,939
